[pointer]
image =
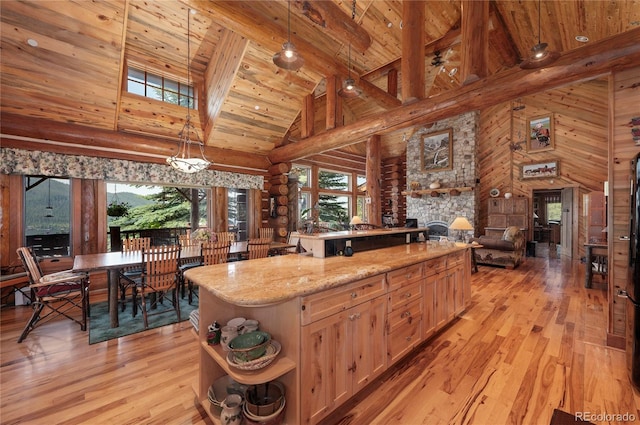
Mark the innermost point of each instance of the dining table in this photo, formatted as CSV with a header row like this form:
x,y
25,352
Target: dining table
x,y
114,262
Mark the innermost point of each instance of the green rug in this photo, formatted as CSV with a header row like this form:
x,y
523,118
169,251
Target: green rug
x,y
99,324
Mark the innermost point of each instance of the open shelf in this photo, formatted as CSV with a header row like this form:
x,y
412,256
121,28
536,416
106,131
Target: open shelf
x,y
440,190
276,369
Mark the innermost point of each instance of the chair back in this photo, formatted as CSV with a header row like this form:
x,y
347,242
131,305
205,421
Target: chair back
x,y
258,248
135,244
266,233
160,267
226,237
186,241
30,263
215,252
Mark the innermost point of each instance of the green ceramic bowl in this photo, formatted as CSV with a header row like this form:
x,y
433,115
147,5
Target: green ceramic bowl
x,y
250,346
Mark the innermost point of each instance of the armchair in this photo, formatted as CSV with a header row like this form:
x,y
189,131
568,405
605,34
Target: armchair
x,y
506,251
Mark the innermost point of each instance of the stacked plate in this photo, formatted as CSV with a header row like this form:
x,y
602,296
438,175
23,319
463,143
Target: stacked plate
x,y
194,318
273,419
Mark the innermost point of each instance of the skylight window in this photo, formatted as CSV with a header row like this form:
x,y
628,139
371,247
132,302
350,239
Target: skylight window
x,y
160,88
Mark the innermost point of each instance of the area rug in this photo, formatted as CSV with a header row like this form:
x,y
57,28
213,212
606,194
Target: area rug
x,y
563,418
99,324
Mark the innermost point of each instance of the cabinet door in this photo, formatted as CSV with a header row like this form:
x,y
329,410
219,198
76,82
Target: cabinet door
x,y
369,341
457,279
429,309
325,381
440,284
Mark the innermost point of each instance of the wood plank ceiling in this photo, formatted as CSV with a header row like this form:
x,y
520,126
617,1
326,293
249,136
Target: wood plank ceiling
x,y
77,72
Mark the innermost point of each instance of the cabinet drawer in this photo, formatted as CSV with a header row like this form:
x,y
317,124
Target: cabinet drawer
x,y
435,265
455,259
403,340
405,315
317,306
404,295
401,276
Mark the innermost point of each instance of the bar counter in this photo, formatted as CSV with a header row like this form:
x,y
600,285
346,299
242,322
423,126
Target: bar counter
x,y
272,280
340,321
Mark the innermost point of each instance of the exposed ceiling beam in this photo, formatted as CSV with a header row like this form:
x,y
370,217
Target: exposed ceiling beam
x,y
117,144
619,52
333,20
474,55
220,73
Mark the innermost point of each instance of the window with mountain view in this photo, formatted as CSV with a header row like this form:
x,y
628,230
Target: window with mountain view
x,y
160,88
47,215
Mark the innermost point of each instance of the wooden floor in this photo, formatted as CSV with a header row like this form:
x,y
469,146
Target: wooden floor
x,y
532,340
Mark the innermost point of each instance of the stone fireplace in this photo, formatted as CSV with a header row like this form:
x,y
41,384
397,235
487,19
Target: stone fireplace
x,y
438,208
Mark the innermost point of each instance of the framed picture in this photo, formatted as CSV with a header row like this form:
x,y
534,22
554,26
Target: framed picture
x,y
541,136
540,170
436,151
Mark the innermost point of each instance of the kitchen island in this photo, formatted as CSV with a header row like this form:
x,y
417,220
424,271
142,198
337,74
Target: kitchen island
x,y
341,321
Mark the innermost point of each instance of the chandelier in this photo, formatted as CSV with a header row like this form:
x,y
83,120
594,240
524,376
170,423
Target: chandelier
x,y
182,160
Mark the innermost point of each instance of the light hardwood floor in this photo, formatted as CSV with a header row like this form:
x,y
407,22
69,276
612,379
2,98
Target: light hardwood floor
x,y
533,339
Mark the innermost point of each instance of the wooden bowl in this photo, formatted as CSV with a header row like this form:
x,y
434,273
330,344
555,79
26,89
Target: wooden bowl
x,y
249,346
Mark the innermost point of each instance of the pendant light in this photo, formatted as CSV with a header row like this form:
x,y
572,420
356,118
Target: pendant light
x,y
182,160
540,56
49,208
288,57
349,89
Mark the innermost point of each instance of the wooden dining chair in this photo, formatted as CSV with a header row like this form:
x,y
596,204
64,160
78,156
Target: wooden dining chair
x,y
159,278
60,293
225,237
266,233
212,253
129,275
258,248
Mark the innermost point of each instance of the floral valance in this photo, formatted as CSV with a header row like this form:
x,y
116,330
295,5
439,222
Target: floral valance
x,y
18,161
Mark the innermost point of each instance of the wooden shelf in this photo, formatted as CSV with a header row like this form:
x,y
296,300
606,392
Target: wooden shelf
x,y
440,190
276,369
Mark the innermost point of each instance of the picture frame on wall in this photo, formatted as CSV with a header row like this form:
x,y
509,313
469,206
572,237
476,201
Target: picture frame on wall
x,y
541,136
436,151
540,170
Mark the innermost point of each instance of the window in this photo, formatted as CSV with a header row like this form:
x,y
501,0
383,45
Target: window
x,y
47,215
160,88
361,198
159,212
334,181
334,199
238,213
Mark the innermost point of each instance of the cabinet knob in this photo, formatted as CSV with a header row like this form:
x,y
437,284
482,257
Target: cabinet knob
x,y
354,316
407,295
405,314
353,295
408,338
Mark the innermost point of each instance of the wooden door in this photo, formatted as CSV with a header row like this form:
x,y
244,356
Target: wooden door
x,y
566,229
326,382
369,341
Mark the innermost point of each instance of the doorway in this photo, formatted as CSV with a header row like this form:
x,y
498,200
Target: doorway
x,y
553,222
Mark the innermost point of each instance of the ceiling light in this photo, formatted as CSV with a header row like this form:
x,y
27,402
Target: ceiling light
x,y
582,38
182,160
540,56
349,89
288,57
31,42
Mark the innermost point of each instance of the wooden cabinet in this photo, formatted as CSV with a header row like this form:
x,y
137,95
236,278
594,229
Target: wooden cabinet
x,y
404,320
596,217
503,213
346,344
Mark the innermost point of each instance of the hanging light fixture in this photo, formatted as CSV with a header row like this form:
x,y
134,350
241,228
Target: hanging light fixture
x,y
49,209
540,56
288,57
349,88
182,160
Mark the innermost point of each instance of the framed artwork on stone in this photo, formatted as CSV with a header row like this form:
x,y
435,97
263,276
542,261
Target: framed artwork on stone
x,y
436,151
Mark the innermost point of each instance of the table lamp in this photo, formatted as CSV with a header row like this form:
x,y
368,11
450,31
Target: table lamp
x,y
461,224
355,220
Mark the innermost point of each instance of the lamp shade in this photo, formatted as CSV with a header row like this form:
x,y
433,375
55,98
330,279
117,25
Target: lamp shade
x,y
355,220
460,223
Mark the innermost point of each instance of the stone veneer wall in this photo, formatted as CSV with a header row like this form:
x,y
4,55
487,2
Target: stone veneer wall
x,y
464,173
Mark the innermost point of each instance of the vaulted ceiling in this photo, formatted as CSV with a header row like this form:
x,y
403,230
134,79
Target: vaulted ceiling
x,y
64,62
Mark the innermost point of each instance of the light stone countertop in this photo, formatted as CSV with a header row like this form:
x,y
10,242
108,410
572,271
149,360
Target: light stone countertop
x,y
272,280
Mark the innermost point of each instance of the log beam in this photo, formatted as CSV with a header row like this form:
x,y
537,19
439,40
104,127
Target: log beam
x,y
22,132
474,55
412,61
618,52
374,177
